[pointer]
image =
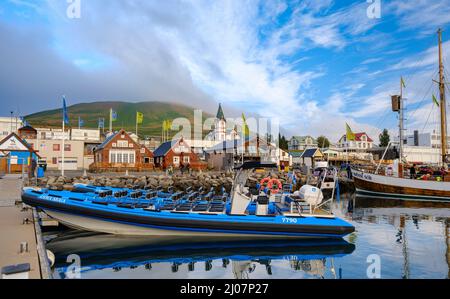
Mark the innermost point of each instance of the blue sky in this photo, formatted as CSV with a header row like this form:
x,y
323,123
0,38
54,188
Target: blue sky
x,y
313,64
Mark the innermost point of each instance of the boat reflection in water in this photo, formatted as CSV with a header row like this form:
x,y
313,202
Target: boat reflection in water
x,y
419,227
130,257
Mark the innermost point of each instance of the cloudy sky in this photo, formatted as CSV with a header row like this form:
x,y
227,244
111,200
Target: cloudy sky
x,y
313,64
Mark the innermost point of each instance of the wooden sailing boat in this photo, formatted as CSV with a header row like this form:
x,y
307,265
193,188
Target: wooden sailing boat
x,y
396,186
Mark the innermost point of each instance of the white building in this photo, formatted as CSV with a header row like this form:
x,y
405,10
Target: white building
x,y
362,142
86,135
52,134
432,139
8,125
300,143
422,154
220,132
89,135
50,151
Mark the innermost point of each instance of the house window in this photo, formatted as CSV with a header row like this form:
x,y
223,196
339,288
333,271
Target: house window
x,y
114,144
176,160
54,160
112,158
122,143
148,160
119,157
125,158
56,147
186,159
132,158
67,147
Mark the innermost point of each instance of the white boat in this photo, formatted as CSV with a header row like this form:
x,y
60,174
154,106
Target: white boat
x,y
393,184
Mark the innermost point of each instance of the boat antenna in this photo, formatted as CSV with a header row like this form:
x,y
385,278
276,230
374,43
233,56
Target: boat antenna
x,y
442,103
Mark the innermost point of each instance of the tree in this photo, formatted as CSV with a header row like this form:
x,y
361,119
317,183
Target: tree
x,y
323,142
282,142
384,138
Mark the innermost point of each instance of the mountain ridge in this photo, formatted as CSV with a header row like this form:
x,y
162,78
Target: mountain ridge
x,y
155,113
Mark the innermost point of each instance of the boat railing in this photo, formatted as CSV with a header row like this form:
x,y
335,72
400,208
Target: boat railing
x,y
327,185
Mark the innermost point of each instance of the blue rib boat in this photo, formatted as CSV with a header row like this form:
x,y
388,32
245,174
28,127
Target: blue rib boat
x,y
137,212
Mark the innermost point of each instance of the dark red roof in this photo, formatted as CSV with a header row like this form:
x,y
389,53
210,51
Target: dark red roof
x,y
359,135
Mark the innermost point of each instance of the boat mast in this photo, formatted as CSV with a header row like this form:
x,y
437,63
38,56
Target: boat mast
x,y
401,126
442,102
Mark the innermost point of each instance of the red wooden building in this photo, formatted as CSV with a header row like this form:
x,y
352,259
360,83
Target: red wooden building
x,y
119,152
177,153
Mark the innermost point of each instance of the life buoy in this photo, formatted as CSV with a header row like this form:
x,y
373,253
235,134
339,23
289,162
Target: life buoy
x,y
274,183
263,183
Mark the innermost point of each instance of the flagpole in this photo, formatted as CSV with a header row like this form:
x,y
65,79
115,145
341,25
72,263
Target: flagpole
x,y
63,145
136,124
110,120
62,149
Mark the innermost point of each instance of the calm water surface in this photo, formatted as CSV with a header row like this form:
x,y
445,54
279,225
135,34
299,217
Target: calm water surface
x,y
410,238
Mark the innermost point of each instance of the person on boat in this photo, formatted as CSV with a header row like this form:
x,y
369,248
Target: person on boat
x,y
349,171
412,171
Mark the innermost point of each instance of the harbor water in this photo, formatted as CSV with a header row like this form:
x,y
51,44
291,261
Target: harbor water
x,y
393,239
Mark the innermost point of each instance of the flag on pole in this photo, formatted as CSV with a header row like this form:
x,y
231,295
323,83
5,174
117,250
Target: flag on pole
x,y
114,115
402,82
245,129
435,101
80,122
139,118
65,114
101,123
350,135
167,125
23,121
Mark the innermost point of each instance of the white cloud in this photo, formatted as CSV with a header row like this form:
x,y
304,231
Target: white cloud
x,y
423,15
200,51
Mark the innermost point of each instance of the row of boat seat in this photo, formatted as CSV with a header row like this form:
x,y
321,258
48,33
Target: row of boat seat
x,y
216,205
201,206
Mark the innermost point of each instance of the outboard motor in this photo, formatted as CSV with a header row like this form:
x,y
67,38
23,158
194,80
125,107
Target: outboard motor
x,y
262,205
310,194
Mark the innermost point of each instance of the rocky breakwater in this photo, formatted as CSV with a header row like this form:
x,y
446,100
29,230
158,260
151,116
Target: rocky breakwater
x,y
178,182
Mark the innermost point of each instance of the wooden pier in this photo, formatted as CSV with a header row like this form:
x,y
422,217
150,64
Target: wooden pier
x,y
21,242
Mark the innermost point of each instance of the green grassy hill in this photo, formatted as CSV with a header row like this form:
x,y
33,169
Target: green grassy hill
x,y
154,115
